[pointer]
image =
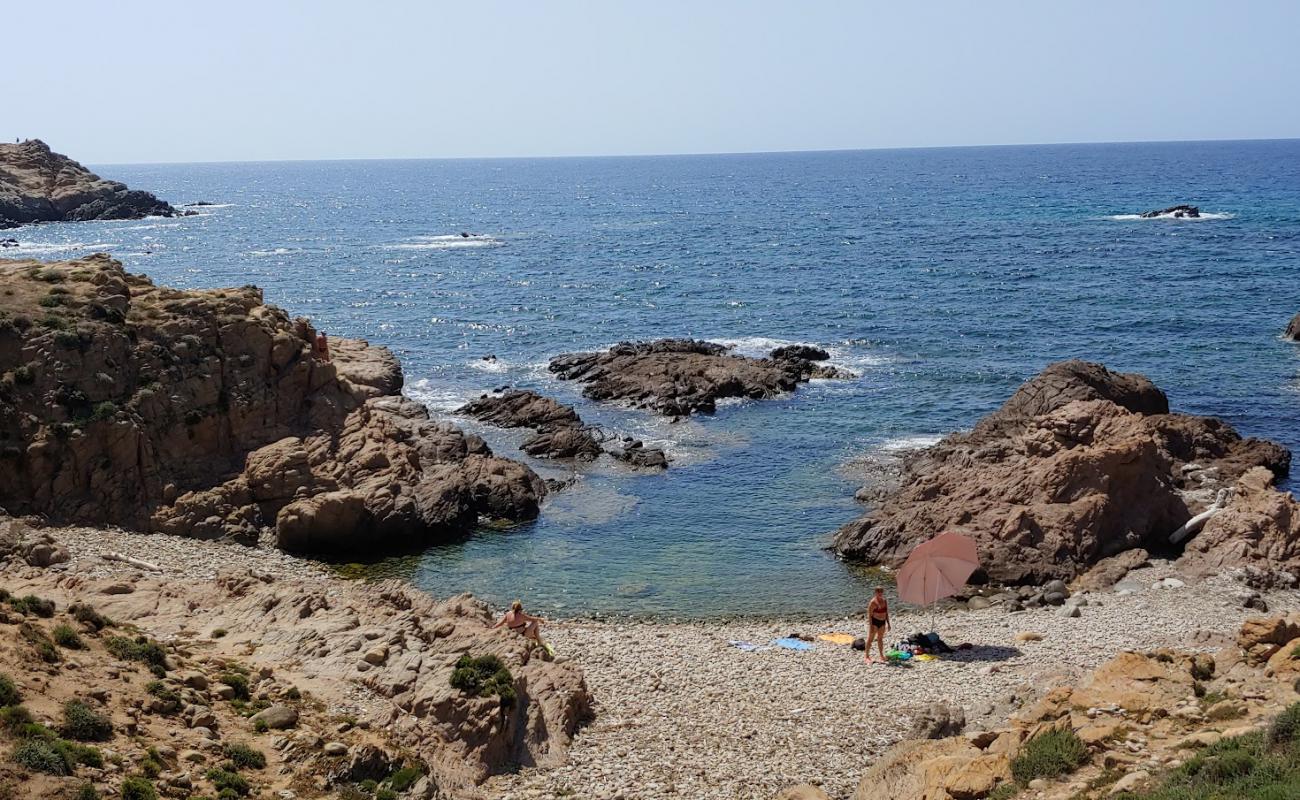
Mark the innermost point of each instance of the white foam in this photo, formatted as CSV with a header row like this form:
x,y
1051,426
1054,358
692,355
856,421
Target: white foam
x,y
904,443
35,248
208,205
1205,215
279,251
494,365
445,242
438,397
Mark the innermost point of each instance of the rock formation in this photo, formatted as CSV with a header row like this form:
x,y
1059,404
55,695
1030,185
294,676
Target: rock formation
x,y
207,413
558,431
1078,465
1178,212
1258,528
334,683
1293,329
1132,714
39,185
678,377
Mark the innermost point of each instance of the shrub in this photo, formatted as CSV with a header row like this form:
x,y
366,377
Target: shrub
x,y
31,604
218,633
484,676
225,779
151,767
137,788
138,649
24,374
1048,755
1286,728
51,301
41,642
404,778
241,755
65,636
87,792
237,682
105,410
67,339
15,718
386,794
83,723
1004,792
42,755
159,690
50,276
9,694
293,693
260,726
89,617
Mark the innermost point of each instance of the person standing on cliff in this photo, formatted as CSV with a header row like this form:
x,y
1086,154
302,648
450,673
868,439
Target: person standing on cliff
x,y
322,347
878,617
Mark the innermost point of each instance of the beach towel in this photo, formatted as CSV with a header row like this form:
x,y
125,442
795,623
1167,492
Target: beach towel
x,y
837,638
747,647
790,643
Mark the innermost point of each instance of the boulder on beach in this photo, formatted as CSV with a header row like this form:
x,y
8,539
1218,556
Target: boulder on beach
x,y
1080,464
208,414
39,185
679,377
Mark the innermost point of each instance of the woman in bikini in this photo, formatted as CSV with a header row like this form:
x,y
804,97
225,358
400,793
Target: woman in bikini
x,y
522,623
878,616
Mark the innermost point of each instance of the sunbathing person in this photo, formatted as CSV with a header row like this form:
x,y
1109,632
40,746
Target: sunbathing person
x,y
517,620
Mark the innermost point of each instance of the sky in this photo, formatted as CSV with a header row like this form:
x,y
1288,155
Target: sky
x,y
228,80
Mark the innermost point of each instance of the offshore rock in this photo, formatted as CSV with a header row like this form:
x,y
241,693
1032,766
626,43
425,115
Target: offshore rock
x,y
1080,464
1178,212
679,377
209,414
39,185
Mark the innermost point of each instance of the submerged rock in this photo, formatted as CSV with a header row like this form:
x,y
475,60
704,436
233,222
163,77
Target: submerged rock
x,y
209,414
1080,464
678,377
39,185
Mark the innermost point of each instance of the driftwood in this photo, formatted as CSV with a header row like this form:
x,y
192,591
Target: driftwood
x,y
1193,526
135,562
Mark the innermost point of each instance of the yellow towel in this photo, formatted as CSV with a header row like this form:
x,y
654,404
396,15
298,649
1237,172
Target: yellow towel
x,y
837,638
925,657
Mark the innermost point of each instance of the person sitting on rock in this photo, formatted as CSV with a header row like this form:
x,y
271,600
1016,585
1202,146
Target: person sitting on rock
x,y
878,616
517,620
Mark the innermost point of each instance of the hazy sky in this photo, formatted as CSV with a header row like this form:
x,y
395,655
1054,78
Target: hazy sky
x,y
223,80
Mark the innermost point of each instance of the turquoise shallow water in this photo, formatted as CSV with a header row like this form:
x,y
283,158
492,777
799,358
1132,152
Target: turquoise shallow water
x,y
944,277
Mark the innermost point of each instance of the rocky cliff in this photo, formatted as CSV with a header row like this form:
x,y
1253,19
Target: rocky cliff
x,y
208,413
39,185
1081,463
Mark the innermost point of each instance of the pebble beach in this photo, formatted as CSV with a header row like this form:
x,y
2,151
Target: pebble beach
x,y
681,712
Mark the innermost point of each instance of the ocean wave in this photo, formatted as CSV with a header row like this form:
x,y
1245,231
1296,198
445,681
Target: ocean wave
x,y
1205,215
39,248
445,242
494,365
439,397
905,443
279,251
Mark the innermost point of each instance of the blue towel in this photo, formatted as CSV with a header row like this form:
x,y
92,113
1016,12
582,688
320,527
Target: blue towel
x,y
791,643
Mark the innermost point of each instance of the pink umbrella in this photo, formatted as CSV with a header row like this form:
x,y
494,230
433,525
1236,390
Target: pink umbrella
x,y
937,569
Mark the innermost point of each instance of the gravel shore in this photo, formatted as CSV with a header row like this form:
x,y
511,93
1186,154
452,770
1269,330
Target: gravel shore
x,y
683,714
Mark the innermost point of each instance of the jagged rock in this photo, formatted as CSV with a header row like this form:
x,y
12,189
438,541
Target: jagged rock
x,y
1110,571
1293,329
1260,527
39,185
678,377
1179,211
219,420
1080,464
1261,637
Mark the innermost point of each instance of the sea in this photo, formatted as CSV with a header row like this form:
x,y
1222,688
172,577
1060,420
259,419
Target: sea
x,y
942,278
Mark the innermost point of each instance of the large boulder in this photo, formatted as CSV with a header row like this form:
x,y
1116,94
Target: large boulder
x,y
39,185
1079,465
678,377
1258,528
210,414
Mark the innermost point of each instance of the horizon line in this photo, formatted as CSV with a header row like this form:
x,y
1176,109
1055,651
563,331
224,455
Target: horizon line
x,y
699,154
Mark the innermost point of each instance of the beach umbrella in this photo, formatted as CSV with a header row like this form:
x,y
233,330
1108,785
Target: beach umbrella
x,y
937,569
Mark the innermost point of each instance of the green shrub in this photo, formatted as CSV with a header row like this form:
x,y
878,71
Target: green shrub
x,y
14,718
386,794
237,682
84,724
241,755
89,617
50,276
42,755
484,676
33,605
137,788
41,642
104,410
404,778
87,792
1048,755
260,726
67,339
1286,728
51,301
1005,791
293,693
225,779
24,374
138,649
9,694
151,767
65,636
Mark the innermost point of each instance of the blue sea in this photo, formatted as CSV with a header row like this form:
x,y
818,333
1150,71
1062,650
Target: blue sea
x,y
942,277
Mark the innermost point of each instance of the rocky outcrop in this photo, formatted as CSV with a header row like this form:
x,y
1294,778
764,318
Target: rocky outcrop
x,y
209,414
1177,212
39,185
1293,329
348,680
678,377
558,431
1130,715
1080,464
20,543
1258,528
